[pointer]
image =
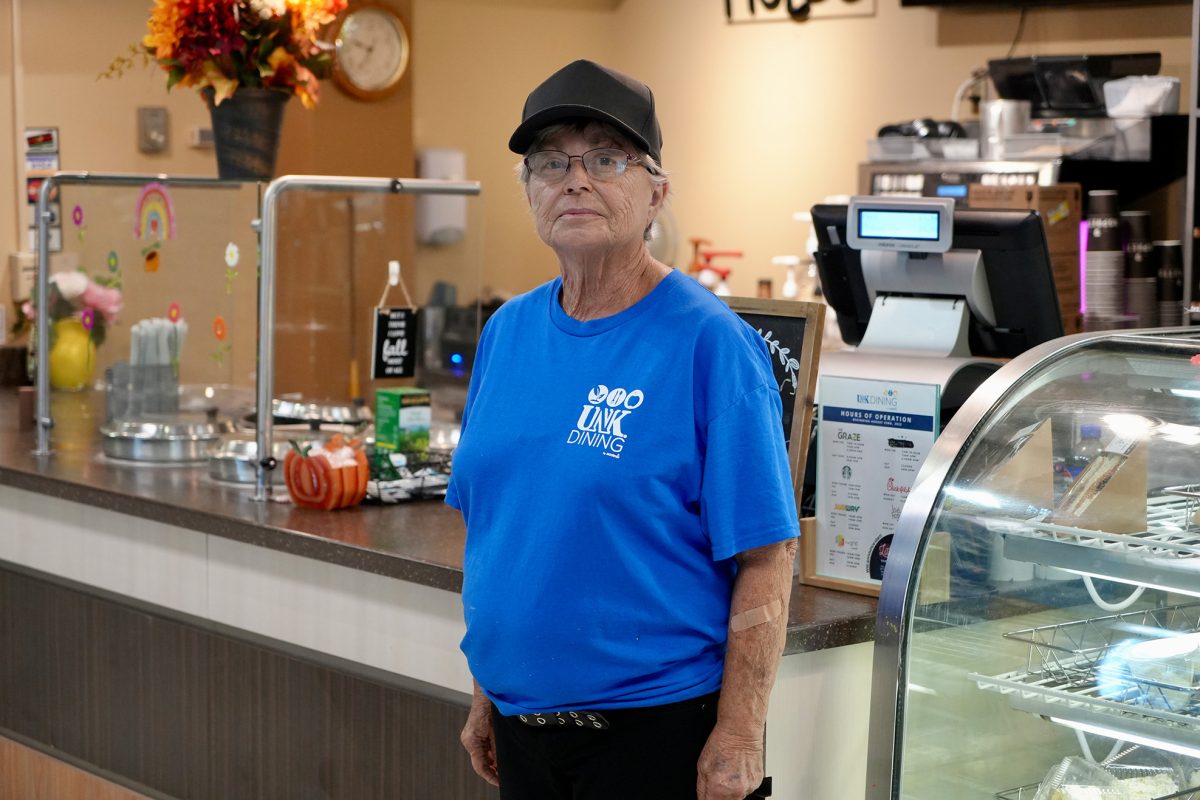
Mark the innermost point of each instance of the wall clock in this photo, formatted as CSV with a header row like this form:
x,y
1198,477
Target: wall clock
x,y
370,50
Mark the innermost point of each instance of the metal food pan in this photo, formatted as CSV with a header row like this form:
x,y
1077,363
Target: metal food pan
x,y
177,440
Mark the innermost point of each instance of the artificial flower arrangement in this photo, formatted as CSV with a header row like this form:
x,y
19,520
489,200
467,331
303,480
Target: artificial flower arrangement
x,y
224,45
94,302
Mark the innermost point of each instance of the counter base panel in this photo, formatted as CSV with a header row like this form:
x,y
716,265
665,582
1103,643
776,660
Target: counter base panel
x,y
393,625
193,713
28,773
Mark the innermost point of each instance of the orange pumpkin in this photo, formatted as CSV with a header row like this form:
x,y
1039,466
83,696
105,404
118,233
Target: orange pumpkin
x,y
313,482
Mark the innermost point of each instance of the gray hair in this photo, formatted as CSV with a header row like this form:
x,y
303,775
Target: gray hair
x,y
658,175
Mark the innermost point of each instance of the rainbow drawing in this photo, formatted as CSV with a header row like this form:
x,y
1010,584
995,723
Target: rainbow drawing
x,y
154,217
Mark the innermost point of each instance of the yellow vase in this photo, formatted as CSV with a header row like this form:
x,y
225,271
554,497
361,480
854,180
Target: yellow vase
x,y
73,356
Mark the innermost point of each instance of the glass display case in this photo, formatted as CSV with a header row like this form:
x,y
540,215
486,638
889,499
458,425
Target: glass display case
x,y
1038,634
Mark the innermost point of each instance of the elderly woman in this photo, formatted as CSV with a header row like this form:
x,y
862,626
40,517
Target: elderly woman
x,y
622,474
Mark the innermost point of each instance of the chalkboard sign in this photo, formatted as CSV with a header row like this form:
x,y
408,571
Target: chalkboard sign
x,y
394,343
792,331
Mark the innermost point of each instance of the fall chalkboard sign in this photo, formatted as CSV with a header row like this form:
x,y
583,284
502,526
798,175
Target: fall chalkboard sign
x,y
792,331
394,343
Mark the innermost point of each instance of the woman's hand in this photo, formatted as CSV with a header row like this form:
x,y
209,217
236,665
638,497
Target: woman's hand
x,y
478,739
730,766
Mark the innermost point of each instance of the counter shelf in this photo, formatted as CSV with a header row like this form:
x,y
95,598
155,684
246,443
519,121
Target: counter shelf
x,y
1080,702
1067,676
1125,765
1165,555
1075,650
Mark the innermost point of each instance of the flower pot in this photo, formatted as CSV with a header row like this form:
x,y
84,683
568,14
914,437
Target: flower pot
x,y
72,356
246,132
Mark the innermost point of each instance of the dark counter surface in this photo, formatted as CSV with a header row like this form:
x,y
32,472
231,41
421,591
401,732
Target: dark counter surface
x,y
420,542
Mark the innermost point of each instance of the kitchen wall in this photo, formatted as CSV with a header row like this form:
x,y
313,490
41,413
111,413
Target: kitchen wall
x,y
50,78
760,120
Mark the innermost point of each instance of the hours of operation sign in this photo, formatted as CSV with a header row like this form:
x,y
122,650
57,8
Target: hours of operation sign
x,y
873,437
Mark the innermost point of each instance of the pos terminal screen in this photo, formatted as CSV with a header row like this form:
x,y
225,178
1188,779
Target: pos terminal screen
x,y
918,225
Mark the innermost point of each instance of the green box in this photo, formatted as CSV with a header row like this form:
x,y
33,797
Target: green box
x,y
402,418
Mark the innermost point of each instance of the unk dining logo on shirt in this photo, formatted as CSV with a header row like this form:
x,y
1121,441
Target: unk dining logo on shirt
x,y
602,420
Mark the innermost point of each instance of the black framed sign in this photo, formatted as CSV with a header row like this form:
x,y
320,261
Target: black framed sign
x,y
792,331
394,343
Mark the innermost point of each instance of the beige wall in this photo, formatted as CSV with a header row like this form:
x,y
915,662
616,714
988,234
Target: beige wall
x,y
58,86
759,120
478,60
10,189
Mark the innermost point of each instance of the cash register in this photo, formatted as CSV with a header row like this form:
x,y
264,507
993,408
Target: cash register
x,y
926,292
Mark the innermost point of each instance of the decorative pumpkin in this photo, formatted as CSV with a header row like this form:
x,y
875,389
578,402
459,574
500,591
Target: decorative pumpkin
x,y
329,476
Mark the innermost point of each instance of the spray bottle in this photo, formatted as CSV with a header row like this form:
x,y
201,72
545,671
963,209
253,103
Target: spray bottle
x,y
714,276
791,289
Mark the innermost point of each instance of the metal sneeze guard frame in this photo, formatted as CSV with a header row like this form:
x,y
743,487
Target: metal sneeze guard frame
x,y
44,421
266,285
265,228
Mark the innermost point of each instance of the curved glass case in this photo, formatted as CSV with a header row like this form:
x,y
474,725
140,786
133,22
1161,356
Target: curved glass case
x,y
1039,623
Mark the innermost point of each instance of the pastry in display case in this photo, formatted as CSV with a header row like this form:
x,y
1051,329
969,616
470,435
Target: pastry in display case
x,y
1065,661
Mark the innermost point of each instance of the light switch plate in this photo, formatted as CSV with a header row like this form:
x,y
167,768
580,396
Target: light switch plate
x,y
152,129
22,272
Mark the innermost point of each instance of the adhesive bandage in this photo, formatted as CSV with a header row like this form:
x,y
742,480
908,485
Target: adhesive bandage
x,y
755,616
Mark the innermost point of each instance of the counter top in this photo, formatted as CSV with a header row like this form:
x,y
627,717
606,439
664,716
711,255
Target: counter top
x,y
420,542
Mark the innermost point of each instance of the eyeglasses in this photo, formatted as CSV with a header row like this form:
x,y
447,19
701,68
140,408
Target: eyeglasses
x,y
603,163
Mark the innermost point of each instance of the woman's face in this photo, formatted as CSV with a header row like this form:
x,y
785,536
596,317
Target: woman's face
x,y
581,213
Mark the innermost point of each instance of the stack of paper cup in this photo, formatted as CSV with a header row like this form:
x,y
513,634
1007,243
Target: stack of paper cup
x,y
1141,289
1169,258
1104,280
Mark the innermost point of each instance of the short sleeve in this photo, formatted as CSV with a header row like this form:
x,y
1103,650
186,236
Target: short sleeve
x,y
746,496
452,498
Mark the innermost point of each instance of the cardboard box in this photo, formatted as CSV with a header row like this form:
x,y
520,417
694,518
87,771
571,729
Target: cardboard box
x,y
402,419
1066,282
1060,207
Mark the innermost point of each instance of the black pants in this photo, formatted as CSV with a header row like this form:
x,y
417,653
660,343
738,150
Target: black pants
x,y
645,754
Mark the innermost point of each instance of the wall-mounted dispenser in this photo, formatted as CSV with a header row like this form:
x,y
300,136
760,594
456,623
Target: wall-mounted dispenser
x,y
441,219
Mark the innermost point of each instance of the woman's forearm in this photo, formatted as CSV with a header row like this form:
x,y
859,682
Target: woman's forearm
x,y
758,627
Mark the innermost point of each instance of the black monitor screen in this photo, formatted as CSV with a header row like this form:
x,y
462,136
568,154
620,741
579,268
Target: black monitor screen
x,y
1016,262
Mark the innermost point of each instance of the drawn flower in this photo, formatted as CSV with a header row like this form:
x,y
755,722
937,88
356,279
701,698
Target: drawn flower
x,y
219,328
113,263
231,255
174,312
77,215
88,318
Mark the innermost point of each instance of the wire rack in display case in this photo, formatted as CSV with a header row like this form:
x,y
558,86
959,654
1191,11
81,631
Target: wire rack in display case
x,y
1166,554
1076,673
1077,650
1131,764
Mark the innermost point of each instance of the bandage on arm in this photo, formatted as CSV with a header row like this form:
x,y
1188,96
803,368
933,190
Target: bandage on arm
x,y
755,616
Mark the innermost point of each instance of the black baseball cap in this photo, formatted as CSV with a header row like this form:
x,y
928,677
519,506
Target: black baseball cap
x,y
585,90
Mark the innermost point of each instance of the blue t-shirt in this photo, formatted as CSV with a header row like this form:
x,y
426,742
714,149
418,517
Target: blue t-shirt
x,y
608,471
